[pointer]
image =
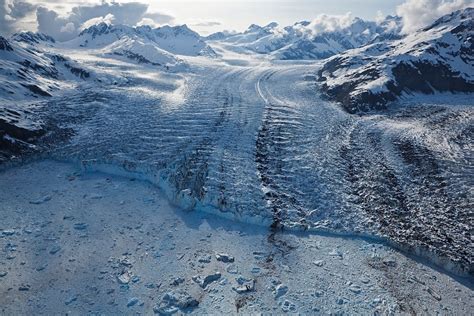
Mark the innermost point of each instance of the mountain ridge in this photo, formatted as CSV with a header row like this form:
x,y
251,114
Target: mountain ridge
x,y
438,58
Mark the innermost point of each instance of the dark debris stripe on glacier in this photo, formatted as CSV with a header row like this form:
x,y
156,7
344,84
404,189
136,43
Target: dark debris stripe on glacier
x,y
405,174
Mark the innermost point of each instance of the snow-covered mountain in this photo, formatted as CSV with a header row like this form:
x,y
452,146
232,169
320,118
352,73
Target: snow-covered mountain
x,y
28,71
303,41
143,52
179,40
33,38
439,57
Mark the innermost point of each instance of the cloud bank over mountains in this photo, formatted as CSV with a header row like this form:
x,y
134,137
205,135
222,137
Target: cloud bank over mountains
x,y
419,13
67,27
414,13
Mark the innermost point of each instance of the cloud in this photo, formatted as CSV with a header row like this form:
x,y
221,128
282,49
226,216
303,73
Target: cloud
x,y
329,23
159,18
420,13
206,23
11,11
49,22
67,27
108,19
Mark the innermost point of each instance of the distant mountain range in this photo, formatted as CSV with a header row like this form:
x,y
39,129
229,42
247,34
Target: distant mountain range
x,y
366,64
303,41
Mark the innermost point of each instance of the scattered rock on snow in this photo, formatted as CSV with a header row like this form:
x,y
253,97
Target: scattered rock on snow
x,y
70,300
288,306
224,257
41,200
244,285
204,282
80,226
318,293
172,302
255,270
355,289
3,273
24,288
55,249
232,269
177,281
8,232
95,196
280,290
389,262
336,253
319,263
124,278
132,302
205,259
435,295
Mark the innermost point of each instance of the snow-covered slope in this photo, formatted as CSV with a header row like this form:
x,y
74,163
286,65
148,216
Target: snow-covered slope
x,y
304,41
28,71
143,52
180,40
437,58
33,38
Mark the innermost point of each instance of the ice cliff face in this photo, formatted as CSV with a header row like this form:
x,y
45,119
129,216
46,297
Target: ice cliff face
x,y
438,58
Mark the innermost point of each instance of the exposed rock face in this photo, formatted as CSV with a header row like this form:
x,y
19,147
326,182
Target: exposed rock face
x,y
28,70
33,38
5,45
437,58
16,139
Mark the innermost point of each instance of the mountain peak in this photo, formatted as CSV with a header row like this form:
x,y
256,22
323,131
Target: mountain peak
x,y
271,25
32,37
97,29
253,28
459,16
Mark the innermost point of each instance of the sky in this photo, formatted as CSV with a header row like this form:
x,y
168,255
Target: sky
x,y
238,15
65,18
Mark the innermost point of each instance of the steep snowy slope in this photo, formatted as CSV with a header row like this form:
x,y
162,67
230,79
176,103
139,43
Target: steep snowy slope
x,y
180,40
32,38
28,71
437,58
143,52
304,40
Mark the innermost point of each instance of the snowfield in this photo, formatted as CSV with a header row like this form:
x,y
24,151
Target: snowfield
x,y
184,174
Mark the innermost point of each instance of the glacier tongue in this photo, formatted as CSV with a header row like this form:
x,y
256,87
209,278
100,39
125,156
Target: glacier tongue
x,y
242,143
